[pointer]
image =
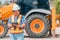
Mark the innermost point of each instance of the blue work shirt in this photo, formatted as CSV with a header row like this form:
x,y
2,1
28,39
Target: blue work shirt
x,y
15,20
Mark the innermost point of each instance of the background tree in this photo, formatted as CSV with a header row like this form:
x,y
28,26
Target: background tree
x,y
57,5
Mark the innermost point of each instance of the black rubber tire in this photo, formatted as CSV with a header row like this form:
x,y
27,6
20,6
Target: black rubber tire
x,y
5,30
37,35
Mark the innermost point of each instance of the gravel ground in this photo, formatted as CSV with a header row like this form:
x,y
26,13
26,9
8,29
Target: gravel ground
x,y
27,38
47,38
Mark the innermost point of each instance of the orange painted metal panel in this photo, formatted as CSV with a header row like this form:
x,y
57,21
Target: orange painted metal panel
x,y
6,12
54,18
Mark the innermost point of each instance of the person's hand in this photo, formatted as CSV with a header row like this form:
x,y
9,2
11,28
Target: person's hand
x,y
9,26
18,25
14,25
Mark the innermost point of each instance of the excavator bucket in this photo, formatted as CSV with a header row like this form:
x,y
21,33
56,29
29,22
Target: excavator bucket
x,y
6,12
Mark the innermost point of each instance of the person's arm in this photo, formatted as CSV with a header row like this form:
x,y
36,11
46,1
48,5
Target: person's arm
x,y
22,22
9,23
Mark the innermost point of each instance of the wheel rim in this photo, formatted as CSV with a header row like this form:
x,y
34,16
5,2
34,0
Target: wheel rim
x,y
39,28
1,29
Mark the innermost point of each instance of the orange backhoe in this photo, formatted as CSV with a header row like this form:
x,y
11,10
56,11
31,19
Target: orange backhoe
x,y
39,17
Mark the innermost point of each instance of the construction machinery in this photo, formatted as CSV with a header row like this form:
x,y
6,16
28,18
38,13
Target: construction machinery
x,y
39,17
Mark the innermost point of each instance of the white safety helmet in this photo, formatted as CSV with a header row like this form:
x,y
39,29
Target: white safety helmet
x,y
16,7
